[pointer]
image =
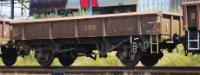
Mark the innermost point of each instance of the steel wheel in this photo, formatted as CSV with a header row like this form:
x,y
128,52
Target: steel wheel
x,y
131,60
66,59
149,60
128,57
9,56
44,58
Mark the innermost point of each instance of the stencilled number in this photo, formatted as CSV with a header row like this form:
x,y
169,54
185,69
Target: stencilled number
x,y
90,27
193,16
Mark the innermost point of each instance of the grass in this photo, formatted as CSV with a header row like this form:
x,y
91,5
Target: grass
x,y
169,59
179,58
55,14
52,14
111,60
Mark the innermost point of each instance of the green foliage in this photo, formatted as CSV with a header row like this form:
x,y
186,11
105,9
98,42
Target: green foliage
x,y
53,14
111,60
179,58
82,12
27,60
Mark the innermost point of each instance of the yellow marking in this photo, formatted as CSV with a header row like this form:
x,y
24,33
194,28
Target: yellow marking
x,y
193,16
90,27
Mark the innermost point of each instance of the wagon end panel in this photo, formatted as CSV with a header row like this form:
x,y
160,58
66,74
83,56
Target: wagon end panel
x,y
171,25
165,26
4,32
191,16
177,26
150,24
2,24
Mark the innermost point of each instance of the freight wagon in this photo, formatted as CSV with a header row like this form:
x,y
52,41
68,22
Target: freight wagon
x,y
191,42
135,36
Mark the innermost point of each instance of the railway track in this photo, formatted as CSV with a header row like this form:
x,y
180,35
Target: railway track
x,y
30,70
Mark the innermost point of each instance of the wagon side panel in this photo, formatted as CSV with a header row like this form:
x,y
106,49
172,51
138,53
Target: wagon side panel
x,y
17,31
121,26
89,27
63,29
38,30
192,16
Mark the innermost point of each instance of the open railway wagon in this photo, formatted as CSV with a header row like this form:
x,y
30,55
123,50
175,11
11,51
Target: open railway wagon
x,y
191,11
135,36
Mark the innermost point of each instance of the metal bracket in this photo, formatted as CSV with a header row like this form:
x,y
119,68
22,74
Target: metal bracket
x,y
119,44
154,43
64,50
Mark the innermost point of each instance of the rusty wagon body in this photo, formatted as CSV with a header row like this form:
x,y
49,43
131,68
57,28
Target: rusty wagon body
x,y
113,25
135,36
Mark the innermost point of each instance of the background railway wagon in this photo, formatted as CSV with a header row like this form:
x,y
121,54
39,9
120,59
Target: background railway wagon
x,y
161,5
176,4
135,36
191,11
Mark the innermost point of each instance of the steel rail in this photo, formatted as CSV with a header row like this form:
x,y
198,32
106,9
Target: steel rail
x,y
102,69
82,70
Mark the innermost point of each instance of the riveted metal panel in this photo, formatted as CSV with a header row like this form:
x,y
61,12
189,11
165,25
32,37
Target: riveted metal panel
x,y
114,25
150,24
89,27
63,29
191,13
38,30
119,26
